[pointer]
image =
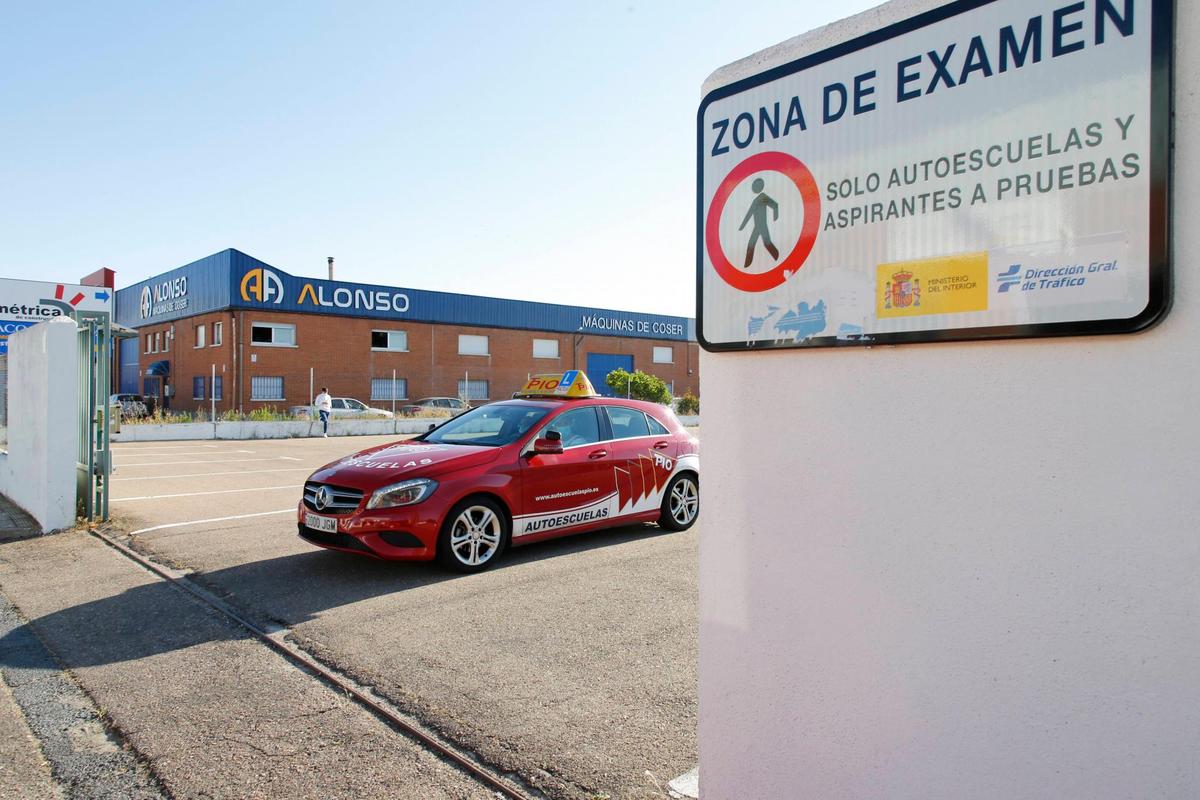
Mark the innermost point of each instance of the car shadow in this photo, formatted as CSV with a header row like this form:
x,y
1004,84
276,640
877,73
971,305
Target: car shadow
x,y
157,617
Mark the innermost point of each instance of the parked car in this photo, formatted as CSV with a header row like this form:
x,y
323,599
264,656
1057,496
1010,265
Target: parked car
x,y
508,473
447,405
342,407
132,405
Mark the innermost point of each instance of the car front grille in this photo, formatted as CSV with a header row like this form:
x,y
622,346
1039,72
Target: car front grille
x,y
343,501
342,540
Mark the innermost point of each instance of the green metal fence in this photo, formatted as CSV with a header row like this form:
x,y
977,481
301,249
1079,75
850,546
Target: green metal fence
x,y
94,460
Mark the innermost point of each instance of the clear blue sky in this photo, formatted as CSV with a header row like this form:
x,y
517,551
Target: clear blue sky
x,y
538,150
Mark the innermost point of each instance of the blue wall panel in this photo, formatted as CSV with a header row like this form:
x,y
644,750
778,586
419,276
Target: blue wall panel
x,y
259,286
192,289
129,366
232,279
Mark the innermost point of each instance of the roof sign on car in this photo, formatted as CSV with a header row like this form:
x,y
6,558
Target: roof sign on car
x,y
571,384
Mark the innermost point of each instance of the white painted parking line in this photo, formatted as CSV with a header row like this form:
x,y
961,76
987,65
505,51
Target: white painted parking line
x,y
132,448
218,461
196,453
209,474
213,519
291,486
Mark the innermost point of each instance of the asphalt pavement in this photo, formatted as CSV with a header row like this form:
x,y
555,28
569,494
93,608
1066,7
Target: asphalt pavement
x,y
571,664
213,712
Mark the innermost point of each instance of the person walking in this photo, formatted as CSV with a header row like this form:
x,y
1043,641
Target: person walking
x,y
758,213
324,405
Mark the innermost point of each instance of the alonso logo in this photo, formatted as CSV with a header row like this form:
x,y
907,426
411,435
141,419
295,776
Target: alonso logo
x,y
262,286
162,298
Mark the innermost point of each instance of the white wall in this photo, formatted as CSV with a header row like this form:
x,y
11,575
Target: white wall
x,y
38,472
958,570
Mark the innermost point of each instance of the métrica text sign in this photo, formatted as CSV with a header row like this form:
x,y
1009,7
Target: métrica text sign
x,y
991,168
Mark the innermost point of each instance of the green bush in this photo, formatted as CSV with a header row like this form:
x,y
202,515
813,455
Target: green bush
x,y
689,404
639,386
158,417
266,414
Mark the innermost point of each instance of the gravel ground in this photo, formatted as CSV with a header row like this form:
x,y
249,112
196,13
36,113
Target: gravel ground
x,y
87,758
24,770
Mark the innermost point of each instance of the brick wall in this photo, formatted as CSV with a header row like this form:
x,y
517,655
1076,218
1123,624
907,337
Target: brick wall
x,y
339,352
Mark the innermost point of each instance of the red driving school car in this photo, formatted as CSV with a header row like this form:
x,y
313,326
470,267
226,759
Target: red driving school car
x,y
557,459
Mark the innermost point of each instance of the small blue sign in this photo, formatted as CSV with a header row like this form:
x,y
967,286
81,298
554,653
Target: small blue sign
x,y
8,328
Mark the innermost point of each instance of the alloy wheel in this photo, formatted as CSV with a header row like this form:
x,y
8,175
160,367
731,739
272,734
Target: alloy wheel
x,y
685,501
475,536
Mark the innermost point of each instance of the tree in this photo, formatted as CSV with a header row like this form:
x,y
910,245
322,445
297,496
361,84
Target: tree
x,y
639,386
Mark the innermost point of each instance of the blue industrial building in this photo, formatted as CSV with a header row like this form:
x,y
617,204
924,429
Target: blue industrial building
x,y
251,334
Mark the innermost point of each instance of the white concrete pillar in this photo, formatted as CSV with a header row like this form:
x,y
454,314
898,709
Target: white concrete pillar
x,y
964,570
38,471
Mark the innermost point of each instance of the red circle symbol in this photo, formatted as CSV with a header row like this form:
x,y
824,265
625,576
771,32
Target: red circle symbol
x,y
797,173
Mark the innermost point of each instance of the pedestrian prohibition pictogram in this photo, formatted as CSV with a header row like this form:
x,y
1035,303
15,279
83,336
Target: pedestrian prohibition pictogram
x,y
759,217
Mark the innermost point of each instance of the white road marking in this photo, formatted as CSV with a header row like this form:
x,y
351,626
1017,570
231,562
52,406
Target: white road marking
x,y
687,784
193,453
134,448
207,474
291,486
290,458
213,519
218,461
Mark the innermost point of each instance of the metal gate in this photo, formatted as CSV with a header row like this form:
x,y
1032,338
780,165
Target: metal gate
x,y
94,462
600,364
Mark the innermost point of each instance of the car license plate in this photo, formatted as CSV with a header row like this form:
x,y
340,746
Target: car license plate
x,y
327,524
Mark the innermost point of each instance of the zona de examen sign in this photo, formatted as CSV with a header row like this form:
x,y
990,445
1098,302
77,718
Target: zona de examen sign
x,y
986,169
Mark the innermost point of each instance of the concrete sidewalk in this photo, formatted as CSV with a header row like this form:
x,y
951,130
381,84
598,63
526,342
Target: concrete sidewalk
x,y
24,770
208,711
54,741
14,522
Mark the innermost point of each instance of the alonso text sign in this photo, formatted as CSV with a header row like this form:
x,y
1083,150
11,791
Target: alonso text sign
x,y
992,168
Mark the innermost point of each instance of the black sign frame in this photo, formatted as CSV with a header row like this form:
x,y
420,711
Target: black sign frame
x,y
1162,79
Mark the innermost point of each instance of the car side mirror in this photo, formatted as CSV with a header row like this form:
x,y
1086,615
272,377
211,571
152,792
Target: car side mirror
x,y
549,445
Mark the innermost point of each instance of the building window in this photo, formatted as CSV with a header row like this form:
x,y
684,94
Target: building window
x,y
217,326
381,389
473,390
157,342
167,337
545,348
396,341
199,336
266,388
472,345
218,388
198,388
273,334
664,355
149,341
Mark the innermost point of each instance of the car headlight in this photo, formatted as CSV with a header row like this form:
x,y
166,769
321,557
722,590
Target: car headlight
x,y
404,493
